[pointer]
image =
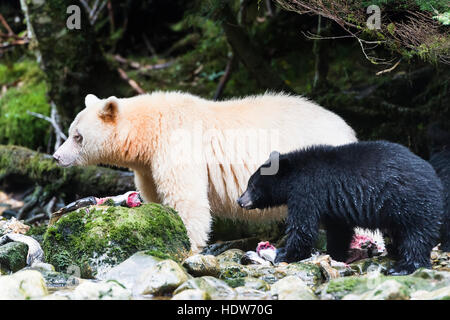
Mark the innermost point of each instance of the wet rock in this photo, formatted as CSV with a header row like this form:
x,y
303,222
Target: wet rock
x,y
42,267
372,285
241,244
440,260
438,294
343,269
232,255
249,282
27,284
243,293
292,288
35,253
387,290
191,294
129,271
251,257
232,270
215,288
340,287
202,265
381,264
109,290
310,273
13,257
435,276
160,279
55,279
97,238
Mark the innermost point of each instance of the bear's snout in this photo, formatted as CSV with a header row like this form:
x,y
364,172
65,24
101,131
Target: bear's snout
x,y
57,157
245,201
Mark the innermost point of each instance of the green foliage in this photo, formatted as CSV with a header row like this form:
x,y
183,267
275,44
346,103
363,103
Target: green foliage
x,y
26,90
424,5
443,18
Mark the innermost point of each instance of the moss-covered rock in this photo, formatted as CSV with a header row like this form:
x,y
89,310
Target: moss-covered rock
x,y
249,283
13,257
373,286
381,264
96,238
232,255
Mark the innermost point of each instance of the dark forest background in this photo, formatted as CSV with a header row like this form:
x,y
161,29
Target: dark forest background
x,y
388,83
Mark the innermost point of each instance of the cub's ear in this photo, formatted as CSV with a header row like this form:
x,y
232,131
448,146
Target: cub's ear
x,y
91,100
110,109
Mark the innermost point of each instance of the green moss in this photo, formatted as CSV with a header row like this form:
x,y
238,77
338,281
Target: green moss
x,y
108,235
26,91
232,270
344,284
340,287
13,257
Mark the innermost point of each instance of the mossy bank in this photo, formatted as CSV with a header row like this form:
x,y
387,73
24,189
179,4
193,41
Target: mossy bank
x,y
96,238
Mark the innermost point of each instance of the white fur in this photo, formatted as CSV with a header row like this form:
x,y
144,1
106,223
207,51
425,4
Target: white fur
x,y
148,138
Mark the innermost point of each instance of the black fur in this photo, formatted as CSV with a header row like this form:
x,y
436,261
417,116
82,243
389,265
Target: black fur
x,y
367,184
440,160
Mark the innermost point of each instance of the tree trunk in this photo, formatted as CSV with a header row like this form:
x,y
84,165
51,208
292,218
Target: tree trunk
x,y
249,54
71,59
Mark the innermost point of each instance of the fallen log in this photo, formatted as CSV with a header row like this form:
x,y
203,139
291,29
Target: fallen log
x,y
21,166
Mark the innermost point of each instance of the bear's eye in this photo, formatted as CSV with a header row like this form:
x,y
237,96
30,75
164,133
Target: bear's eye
x,y
78,137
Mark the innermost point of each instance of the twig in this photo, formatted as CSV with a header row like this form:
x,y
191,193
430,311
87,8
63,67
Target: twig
x,y
390,69
131,82
6,25
33,219
225,77
54,121
149,46
137,65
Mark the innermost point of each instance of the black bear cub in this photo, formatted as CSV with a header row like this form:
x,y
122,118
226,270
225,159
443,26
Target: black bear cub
x,y
366,184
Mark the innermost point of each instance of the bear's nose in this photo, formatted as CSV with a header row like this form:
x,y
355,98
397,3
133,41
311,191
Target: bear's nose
x,y
244,201
57,157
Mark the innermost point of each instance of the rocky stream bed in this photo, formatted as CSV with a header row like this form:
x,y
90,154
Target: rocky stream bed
x,y
102,252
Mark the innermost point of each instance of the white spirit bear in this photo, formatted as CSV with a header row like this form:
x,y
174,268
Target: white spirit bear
x,y
197,155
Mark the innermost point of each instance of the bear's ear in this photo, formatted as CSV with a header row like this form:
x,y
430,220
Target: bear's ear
x,y
90,100
109,110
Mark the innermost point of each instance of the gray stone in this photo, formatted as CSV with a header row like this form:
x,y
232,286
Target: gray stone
x,y
191,294
202,265
129,271
292,288
27,284
215,288
108,290
160,279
